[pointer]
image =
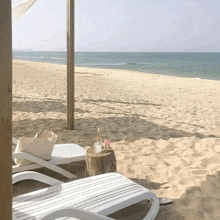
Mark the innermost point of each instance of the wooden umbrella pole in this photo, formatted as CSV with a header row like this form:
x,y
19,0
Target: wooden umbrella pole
x,y
5,109
70,65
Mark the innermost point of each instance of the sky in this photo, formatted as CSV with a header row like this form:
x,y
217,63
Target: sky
x,y
121,26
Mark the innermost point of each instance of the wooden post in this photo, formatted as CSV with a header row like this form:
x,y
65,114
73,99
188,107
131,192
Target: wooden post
x,y
5,109
70,65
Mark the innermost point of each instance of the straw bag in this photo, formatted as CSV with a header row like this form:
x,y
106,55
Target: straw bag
x,y
40,146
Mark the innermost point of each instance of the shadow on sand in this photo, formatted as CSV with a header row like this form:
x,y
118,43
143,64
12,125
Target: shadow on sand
x,y
115,128
121,125
42,106
196,202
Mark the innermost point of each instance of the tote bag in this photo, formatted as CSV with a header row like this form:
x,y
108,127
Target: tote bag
x,y
40,146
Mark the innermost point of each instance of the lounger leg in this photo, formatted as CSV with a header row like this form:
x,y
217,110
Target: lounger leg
x,y
151,215
73,212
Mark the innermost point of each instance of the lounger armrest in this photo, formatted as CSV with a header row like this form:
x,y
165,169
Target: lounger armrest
x,y
43,163
34,176
75,213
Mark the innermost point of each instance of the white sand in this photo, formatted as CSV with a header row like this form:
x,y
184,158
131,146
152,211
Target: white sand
x,y
165,130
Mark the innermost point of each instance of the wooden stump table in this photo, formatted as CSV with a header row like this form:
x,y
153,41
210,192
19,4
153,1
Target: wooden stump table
x,y
98,163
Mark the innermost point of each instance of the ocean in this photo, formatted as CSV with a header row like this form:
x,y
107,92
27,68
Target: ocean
x,y
190,65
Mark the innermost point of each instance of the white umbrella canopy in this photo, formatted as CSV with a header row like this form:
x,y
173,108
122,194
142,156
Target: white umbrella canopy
x,y
20,9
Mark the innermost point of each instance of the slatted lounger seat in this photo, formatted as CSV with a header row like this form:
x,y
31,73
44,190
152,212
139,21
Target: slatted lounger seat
x,y
61,154
102,194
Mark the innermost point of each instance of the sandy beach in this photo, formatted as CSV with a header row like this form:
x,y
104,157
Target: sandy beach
x,y
165,130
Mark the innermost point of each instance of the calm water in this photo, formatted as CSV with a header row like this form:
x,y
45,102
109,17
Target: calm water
x,y
193,65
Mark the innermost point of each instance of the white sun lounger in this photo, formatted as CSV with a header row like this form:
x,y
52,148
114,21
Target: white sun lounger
x,y
97,195
61,154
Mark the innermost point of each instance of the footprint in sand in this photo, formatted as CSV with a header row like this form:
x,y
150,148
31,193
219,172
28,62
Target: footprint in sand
x,y
206,162
200,172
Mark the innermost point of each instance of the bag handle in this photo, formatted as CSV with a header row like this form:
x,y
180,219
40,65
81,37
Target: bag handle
x,y
39,132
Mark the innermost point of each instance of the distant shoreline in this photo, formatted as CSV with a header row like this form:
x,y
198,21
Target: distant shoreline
x,y
134,71
187,65
27,50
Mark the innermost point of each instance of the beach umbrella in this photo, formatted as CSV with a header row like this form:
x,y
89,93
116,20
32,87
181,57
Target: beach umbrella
x,y
20,9
5,109
6,97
